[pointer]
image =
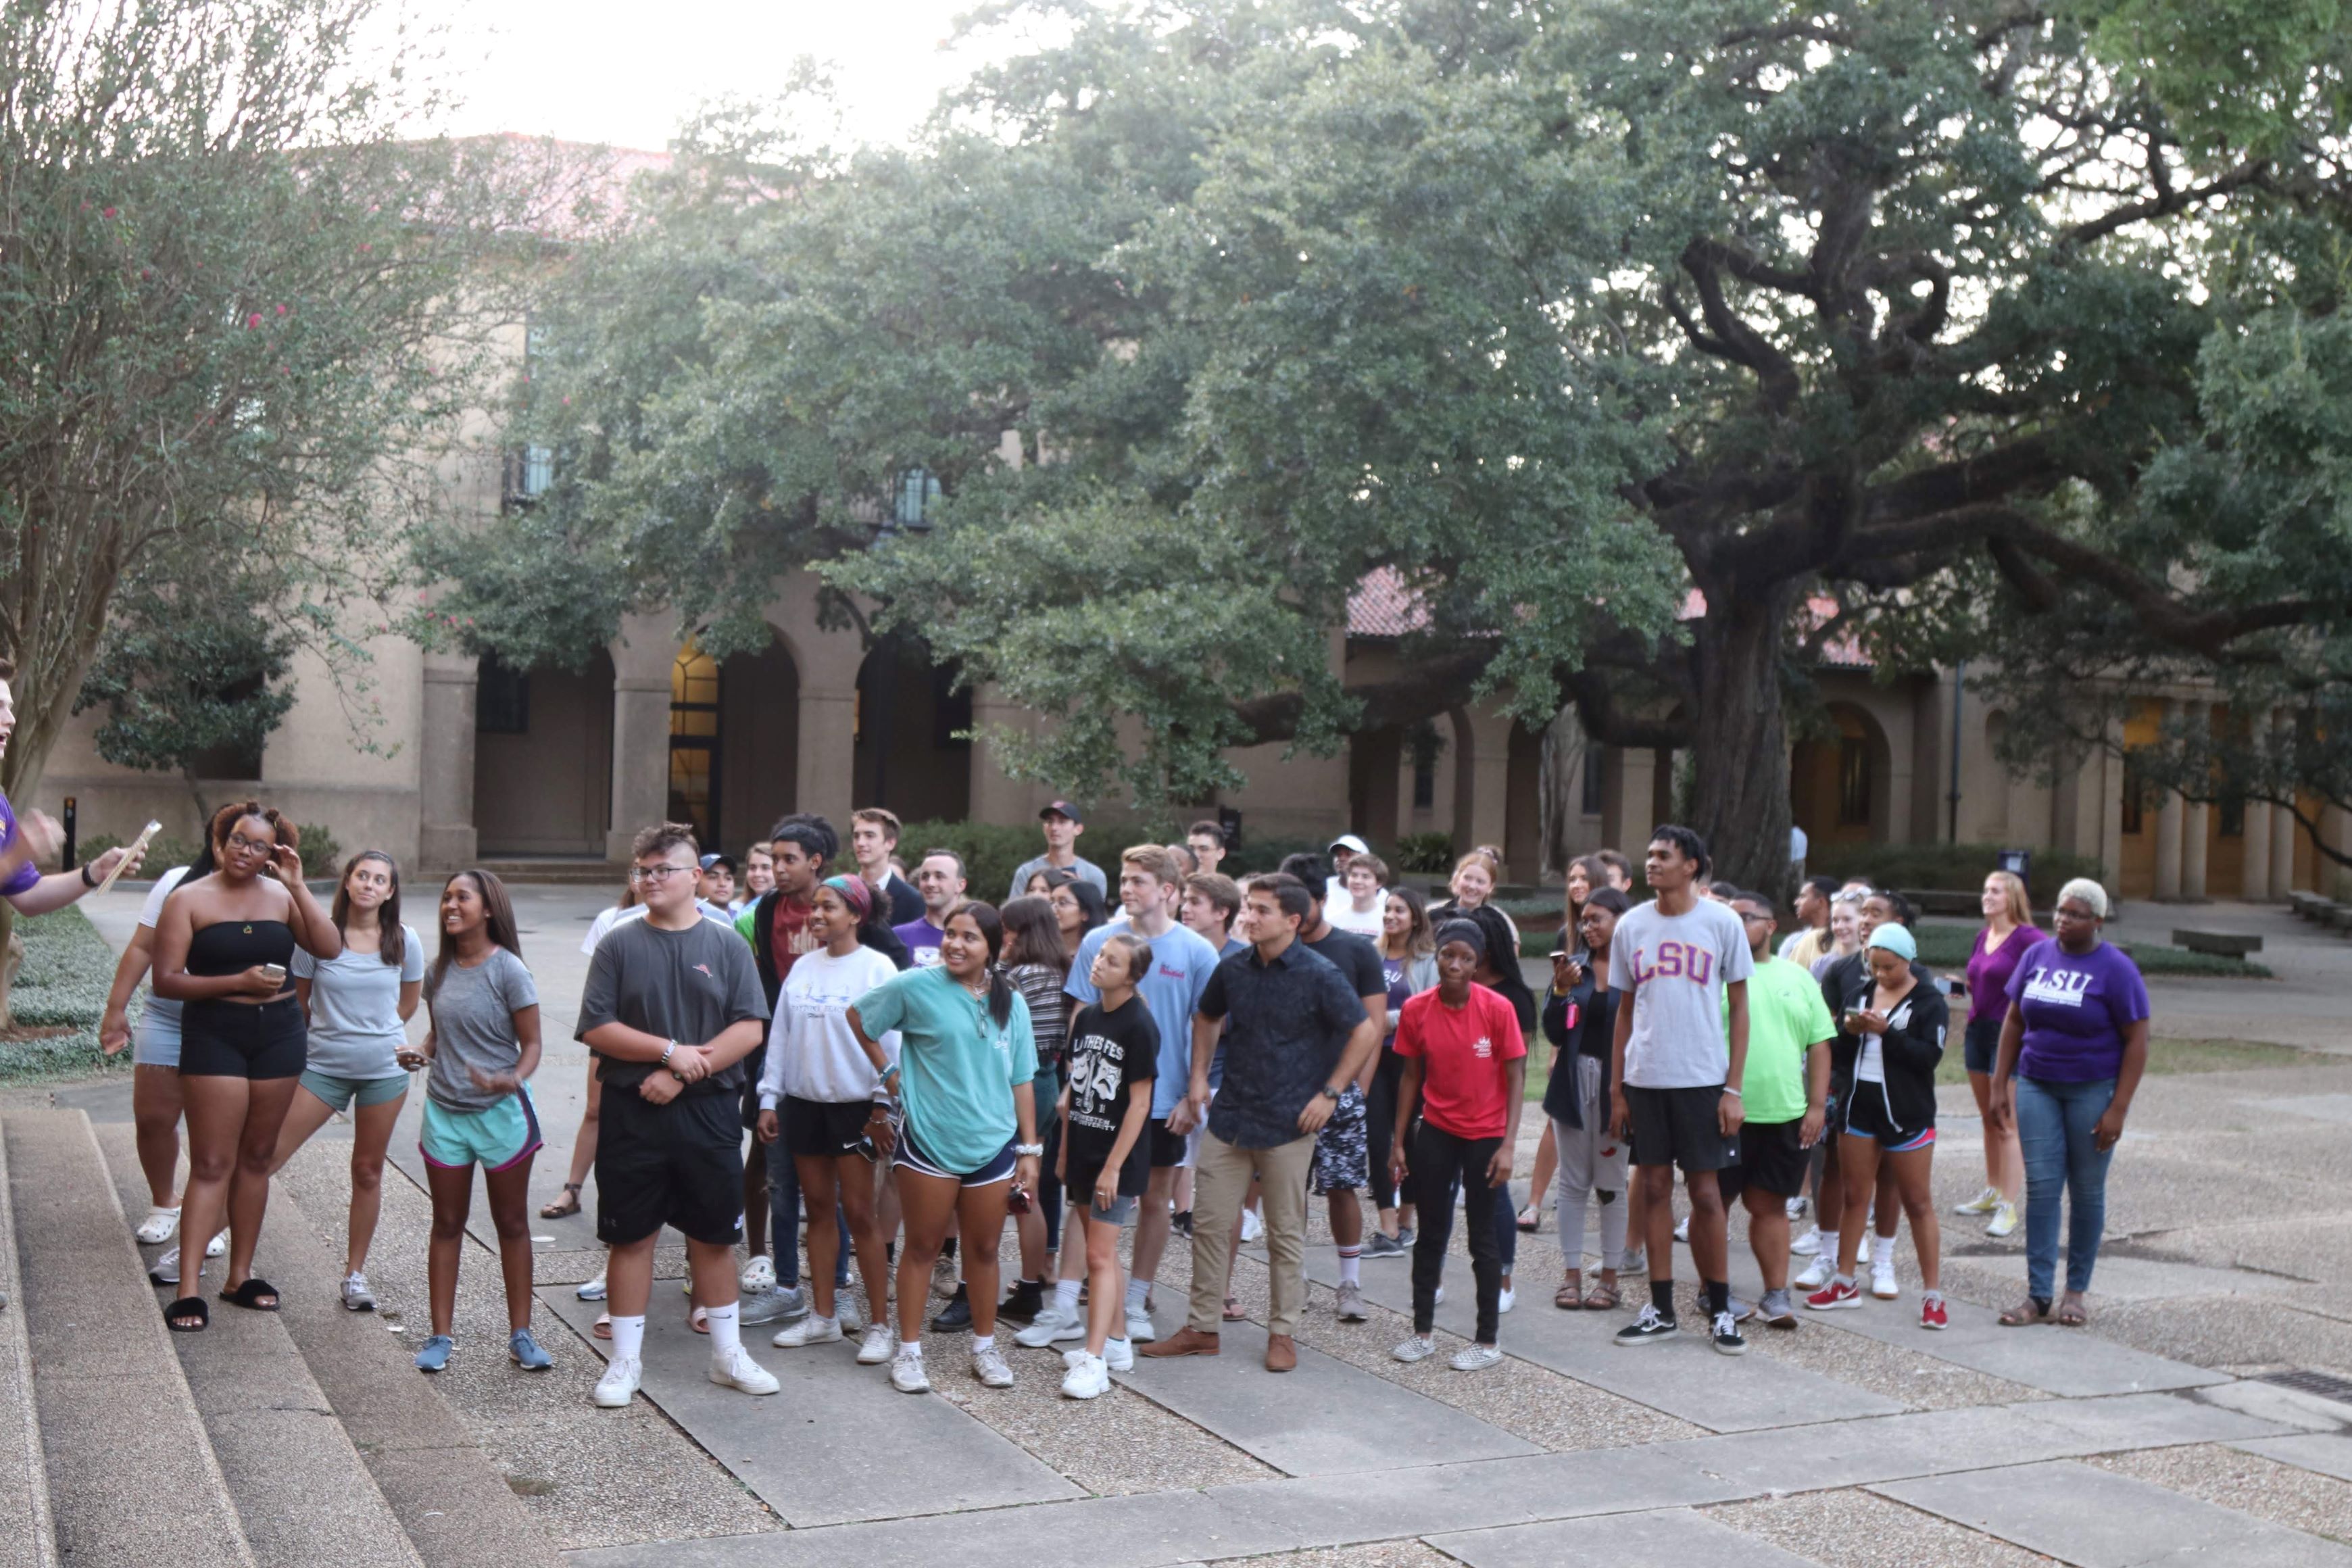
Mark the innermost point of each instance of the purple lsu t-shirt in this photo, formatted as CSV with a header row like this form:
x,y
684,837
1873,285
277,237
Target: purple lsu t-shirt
x,y
25,875
2076,1006
922,939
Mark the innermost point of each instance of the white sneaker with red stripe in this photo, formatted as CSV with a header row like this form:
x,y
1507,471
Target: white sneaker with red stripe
x,y
1836,1296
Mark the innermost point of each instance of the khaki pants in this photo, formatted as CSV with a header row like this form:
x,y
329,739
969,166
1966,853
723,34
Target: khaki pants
x,y
1221,1180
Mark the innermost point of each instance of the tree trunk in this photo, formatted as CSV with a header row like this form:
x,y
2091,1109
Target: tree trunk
x,y
1739,751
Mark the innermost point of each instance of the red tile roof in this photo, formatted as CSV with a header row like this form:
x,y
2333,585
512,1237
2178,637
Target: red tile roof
x,y
1383,606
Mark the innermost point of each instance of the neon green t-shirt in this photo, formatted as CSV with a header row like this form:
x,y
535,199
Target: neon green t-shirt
x,y
1786,1015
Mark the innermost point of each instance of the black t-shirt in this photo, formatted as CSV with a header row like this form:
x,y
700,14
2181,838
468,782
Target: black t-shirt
x,y
685,985
1354,957
1110,1053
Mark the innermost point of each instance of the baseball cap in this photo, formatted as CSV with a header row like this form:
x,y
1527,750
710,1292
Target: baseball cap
x,y
1061,808
1350,843
714,859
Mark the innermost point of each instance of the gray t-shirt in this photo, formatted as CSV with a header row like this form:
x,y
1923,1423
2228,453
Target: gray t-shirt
x,y
684,985
473,1026
1677,967
1082,865
356,1026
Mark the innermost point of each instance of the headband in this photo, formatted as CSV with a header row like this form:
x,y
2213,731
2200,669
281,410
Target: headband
x,y
855,893
1466,932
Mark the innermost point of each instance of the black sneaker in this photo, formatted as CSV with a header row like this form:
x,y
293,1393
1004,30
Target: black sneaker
x,y
955,1318
1727,1338
948,1248
1181,1223
1653,1326
1380,1244
1028,1298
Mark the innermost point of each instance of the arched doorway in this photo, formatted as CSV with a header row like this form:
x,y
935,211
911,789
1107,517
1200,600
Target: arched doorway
x,y
734,743
1839,782
911,755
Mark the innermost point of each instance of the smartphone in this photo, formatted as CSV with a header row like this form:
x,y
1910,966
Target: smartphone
x,y
1853,1021
1017,1200
276,972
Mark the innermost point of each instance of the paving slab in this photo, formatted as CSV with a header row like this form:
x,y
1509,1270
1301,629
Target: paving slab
x,y
2096,1518
883,1455
2335,1108
27,1538
2325,1453
1673,1538
2294,1409
1683,1378
1325,1419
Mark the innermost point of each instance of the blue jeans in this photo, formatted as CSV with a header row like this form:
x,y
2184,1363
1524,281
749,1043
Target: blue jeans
x,y
2054,1123
784,1220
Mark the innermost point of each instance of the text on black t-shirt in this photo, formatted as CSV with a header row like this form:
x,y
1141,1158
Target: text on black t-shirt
x,y
1110,1053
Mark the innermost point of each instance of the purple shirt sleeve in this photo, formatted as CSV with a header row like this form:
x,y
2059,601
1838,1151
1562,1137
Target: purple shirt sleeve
x,y
25,875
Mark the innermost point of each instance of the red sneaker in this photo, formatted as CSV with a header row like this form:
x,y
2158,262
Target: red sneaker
x,y
1932,1315
1833,1296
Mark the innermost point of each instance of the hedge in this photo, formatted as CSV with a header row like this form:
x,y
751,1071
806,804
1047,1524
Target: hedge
x,y
67,970
1946,868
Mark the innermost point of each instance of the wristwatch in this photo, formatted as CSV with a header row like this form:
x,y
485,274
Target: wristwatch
x,y
86,879
1332,1094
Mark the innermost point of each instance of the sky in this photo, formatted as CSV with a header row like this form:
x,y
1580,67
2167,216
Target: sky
x,y
591,70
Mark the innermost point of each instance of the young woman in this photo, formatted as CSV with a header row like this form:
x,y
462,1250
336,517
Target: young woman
x,y
1845,930
819,1093
358,1004
1103,1158
1584,874
1499,971
1841,977
969,1128
1078,906
1580,1018
223,948
2008,933
1476,876
583,1143
482,1049
1038,964
1890,1113
1409,963
2072,1052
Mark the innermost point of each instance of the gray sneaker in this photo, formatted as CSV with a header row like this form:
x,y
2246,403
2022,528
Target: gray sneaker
x,y
1352,1303
1475,1358
778,1306
1380,1244
1777,1309
988,1366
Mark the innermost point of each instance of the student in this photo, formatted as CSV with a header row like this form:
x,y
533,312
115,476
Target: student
x,y
1839,979
1105,1154
223,947
1620,870
1466,1061
1580,1018
1078,906
1062,823
873,836
822,1100
714,890
1584,874
1361,906
1171,988
939,878
1812,938
1682,963
1473,883
969,1129
758,877
1786,1090
1408,953
480,1052
2009,933
1206,839
1035,960
672,1004
358,1004
1890,1112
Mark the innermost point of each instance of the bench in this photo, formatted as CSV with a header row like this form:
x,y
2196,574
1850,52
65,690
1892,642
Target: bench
x,y
2310,905
2220,943
1963,902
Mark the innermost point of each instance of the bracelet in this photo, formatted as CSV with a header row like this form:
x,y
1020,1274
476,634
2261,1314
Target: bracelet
x,y
1733,1092
668,1051
86,879
1036,1149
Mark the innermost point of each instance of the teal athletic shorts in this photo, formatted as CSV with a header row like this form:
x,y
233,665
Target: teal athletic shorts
x,y
344,1093
505,1134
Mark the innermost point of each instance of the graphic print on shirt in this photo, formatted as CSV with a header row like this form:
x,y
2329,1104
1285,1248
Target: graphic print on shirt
x,y
1098,1065
1673,960
2058,987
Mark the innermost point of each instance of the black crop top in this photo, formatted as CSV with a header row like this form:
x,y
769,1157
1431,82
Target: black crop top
x,y
232,947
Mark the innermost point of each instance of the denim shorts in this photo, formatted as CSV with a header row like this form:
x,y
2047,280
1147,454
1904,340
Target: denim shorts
x,y
156,1042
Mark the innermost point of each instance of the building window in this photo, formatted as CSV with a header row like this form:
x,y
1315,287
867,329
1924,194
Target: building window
x,y
1427,745
528,471
502,698
1854,780
916,494
1596,769
694,741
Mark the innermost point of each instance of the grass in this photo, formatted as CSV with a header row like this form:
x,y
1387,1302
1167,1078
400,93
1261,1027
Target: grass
x,y
67,970
2167,1058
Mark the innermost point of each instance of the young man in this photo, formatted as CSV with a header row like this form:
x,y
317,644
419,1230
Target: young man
x,y
1062,823
1681,1049
940,881
1299,1036
1211,901
1786,1092
873,836
1343,1149
1343,852
1618,869
672,1005
1181,965
1206,840
714,888
1811,939
36,838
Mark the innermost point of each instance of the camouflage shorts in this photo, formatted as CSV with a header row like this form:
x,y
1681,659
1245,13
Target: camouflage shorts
x,y
1343,1161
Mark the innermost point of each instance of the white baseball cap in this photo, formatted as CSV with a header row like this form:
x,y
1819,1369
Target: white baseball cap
x,y
1351,843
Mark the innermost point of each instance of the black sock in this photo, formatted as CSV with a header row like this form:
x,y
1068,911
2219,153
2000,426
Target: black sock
x,y
1662,1297
1719,1297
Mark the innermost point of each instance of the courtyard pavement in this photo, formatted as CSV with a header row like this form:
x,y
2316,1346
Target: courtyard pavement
x,y
2148,1437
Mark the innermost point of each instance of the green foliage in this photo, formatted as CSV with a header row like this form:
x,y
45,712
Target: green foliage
x,y
1946,945
1425,854
190,666
67,970
1948,868
164,851
991,854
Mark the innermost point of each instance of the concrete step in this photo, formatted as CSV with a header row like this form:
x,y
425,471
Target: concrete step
x,y
132,1478
27,1539
421,1462
300,1486
563,871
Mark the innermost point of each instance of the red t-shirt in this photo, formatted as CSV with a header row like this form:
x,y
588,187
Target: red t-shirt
x,y
1462,1089
788,936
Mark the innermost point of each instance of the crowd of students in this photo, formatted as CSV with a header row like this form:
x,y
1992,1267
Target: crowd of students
x,y
916,1067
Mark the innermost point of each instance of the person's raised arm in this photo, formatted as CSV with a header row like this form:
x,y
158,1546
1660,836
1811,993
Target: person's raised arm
x,y
314,929
36,839
114,1023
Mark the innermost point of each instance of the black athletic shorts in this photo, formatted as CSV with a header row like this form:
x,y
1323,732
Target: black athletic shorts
x,y
823,1128
1678,1127
1771,1160
243,1040
678,1164
1167,1148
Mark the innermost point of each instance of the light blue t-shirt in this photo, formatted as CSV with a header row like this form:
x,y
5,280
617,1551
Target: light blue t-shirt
x,y
355,1028
1181,963
959,1068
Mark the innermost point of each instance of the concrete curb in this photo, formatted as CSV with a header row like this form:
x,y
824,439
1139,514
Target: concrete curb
x,y
28,1537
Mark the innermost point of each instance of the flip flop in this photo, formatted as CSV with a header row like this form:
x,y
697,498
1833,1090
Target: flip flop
x,y
178,1315
565,1206
249,1294
2024,1314
2072,1314
602,1328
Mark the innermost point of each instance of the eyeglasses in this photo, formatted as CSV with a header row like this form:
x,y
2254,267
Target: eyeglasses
x,y
659,873
239,841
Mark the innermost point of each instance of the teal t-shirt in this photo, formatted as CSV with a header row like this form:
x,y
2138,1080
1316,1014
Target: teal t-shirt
x,y
958,1067
1786,1015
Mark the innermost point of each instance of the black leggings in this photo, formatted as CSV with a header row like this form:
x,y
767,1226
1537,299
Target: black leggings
x,y
1440,1160
1379,1113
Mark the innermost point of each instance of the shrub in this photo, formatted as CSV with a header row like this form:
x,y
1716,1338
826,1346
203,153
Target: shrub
x,y
67,970
1954,867
1425,854
322,857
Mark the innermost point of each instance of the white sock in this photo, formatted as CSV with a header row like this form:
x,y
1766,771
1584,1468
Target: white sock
x,y
982,1343
1351,1264
726,1330
911,1347
1065,1296
1108,1345
823,1323
1883,1255
628,1337
1138,1291
1829,1246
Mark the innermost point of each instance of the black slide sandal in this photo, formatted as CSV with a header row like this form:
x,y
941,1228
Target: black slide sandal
x,y
177,1316
248,1295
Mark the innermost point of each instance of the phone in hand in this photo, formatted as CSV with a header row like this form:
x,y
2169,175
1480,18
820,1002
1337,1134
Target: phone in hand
x,y
1853,1020
1017,1200
274,972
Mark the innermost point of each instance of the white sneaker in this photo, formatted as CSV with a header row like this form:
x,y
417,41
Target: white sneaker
x,y
810,1330
1118,1355
357,1297
1818,1273
592,1291
1981,1203
1252,1226
988,1366
1807,1245
1438,1300
737,1370
1050,1325
2004,1221
1794,1208
1140,1328
881,1342
167,1269
1504,1303
906,1372
159,1225
1421,1347
845,1313
1682,1229
1475,1358
759,1275
1883,1283
619,1384
1088,1378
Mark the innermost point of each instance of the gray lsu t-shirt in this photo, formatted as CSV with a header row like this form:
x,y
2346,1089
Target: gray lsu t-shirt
x,y
685,985
473,1026
355,1028
1677,967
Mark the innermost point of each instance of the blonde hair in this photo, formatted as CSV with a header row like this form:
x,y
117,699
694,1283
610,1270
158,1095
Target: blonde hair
x,y
1153,860
2020,907
2087,890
